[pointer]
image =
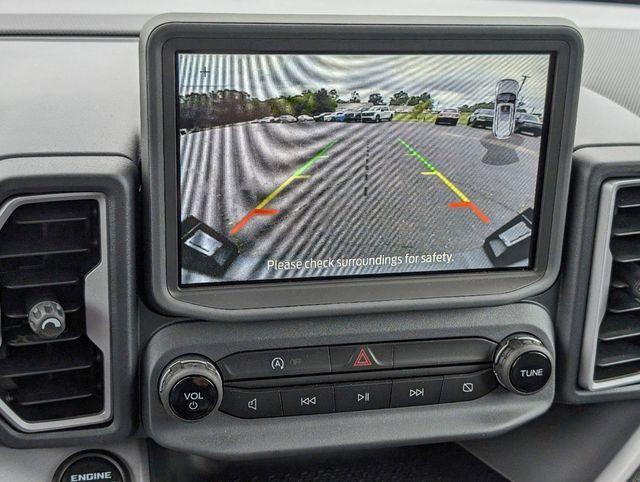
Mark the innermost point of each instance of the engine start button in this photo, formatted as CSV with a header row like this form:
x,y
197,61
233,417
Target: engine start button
x,y
94,466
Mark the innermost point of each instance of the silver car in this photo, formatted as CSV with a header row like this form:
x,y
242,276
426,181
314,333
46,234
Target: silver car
x,y
504,116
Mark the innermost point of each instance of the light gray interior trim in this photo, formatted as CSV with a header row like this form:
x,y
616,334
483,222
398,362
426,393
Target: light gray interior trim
x,y
599,290
625,463
97,314
569,443
622,127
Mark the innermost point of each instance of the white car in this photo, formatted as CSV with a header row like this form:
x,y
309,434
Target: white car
x,y
377,113
450,116
504,114
324,117
304,118
285,119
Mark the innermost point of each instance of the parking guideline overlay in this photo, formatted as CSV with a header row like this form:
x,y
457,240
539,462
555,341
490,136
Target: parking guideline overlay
x,y
260,210
465,201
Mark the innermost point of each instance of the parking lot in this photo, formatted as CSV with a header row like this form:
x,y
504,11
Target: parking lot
x,y
315,190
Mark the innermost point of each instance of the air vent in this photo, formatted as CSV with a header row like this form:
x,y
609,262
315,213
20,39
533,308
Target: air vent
x,y
611,349
48,248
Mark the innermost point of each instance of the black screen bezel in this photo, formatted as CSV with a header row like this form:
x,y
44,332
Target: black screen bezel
x,y
287,299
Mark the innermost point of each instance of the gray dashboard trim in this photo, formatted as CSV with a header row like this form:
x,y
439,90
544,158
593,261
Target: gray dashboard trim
x,y
41,25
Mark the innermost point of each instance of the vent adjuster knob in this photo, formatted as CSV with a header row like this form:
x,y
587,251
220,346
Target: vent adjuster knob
x,y
47,319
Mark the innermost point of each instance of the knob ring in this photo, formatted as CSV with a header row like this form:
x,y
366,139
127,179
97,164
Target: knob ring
x,y
502,368
181,368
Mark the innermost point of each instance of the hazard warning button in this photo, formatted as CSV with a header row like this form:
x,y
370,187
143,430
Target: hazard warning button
x,y
361,357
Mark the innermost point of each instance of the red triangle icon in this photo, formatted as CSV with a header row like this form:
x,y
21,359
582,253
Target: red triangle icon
x,y
362,360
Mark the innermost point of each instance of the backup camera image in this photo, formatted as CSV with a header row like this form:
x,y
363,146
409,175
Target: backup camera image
x,y
318,166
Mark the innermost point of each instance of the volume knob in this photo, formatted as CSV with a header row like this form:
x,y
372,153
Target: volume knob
x,y
47,319
522,364
190,388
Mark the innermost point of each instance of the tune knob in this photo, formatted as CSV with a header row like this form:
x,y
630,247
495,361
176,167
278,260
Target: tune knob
x,y
190,388
522,364
47,319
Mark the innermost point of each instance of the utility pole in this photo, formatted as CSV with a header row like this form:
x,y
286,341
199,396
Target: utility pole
x,y
521,102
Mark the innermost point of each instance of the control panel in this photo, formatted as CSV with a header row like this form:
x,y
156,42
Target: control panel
x,y
355,377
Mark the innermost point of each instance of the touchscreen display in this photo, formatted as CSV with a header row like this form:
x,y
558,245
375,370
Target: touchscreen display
x,y
330,166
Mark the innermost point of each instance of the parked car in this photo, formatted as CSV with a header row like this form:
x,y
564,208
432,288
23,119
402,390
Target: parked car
x,y
504,114
355,115
286,119
264,120
481,118
321,117
450,116
304,118
335,117
528,123
377,113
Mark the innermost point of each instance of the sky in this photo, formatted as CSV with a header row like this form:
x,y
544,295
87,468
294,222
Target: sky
x,y
452,80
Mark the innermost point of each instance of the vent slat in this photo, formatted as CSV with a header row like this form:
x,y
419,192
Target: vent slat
x,y
63,361
617,353
50,394
625,249
620,301
55,212
626,223
17,313
628,198
24,336
18,280
618,283
43,247
619,327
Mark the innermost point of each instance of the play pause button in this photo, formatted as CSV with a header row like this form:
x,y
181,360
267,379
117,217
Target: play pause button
x,y
416,391
352,397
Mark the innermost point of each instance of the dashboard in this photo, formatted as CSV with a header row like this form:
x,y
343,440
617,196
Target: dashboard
x,y
236,238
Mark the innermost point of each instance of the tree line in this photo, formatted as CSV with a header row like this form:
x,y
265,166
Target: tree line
x,y
205,110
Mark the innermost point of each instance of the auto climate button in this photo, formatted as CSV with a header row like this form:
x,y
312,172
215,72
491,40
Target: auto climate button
x,y
275,363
